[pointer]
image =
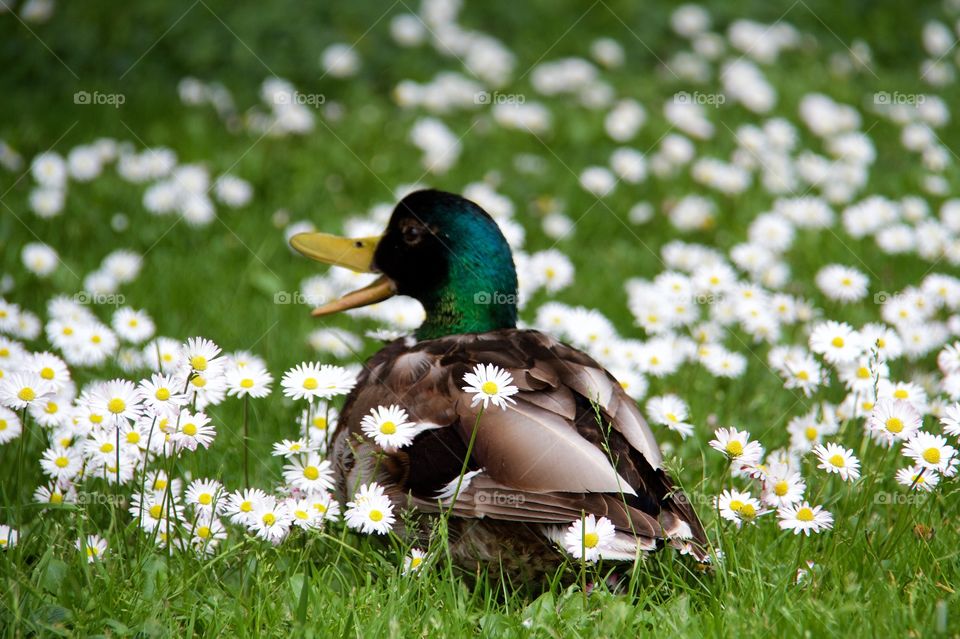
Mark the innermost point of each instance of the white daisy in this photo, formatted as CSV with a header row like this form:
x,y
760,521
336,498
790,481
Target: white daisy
x,y
94,546
249,380
389,427
271,519
10,426
804,518
837,459
132,326
589,537
736,446
894,420
61,464
931,452
842,283
20,390
371,511
672,412
489,383
326,507
292,447
739,507
312,381
8,537
413,562
917,477
193,429
205,495
837,342
241,505
309,473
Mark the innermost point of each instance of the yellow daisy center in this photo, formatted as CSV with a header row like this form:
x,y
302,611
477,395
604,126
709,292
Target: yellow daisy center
x,y
388,428
301,514
901,393
106,447
310,383
246,506
837,342
376,515
203,532
56,498
160,484
47,373
205,499
190,429
163,394
810,433
591,539
311,472
116,406
27,394
133,437
747,511
320,422
932,455
863,372
199,381
52,408
198,363
805,514
95,418
269,519
490,388
415,562
246,383
803,375
320,507
836,460
781,488
734,447
736,505
894,425
3,425
156,511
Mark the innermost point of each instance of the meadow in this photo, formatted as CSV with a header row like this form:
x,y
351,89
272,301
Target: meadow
x,y
743,210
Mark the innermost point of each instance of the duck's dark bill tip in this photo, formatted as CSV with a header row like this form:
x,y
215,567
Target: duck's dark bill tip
x,y
380,289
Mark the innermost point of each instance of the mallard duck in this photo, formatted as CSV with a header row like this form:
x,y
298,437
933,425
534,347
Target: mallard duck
x,y
573,443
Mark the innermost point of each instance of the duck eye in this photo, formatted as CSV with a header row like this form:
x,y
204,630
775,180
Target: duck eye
x,y
412,234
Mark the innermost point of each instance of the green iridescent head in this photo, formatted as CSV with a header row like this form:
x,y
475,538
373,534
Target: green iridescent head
x,y
439,248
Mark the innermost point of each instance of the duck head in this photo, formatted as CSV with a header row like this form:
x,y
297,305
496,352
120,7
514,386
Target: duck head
x,y
439,248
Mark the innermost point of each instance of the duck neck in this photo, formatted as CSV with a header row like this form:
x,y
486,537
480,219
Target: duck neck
x,y
475,299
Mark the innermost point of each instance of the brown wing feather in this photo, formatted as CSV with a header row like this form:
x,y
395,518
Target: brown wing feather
x,y
574,442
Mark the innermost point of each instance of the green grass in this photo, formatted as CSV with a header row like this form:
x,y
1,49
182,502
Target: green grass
x,y
874,575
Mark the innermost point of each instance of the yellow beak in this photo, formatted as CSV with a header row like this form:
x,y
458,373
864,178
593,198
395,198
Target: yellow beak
x,y
355,254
